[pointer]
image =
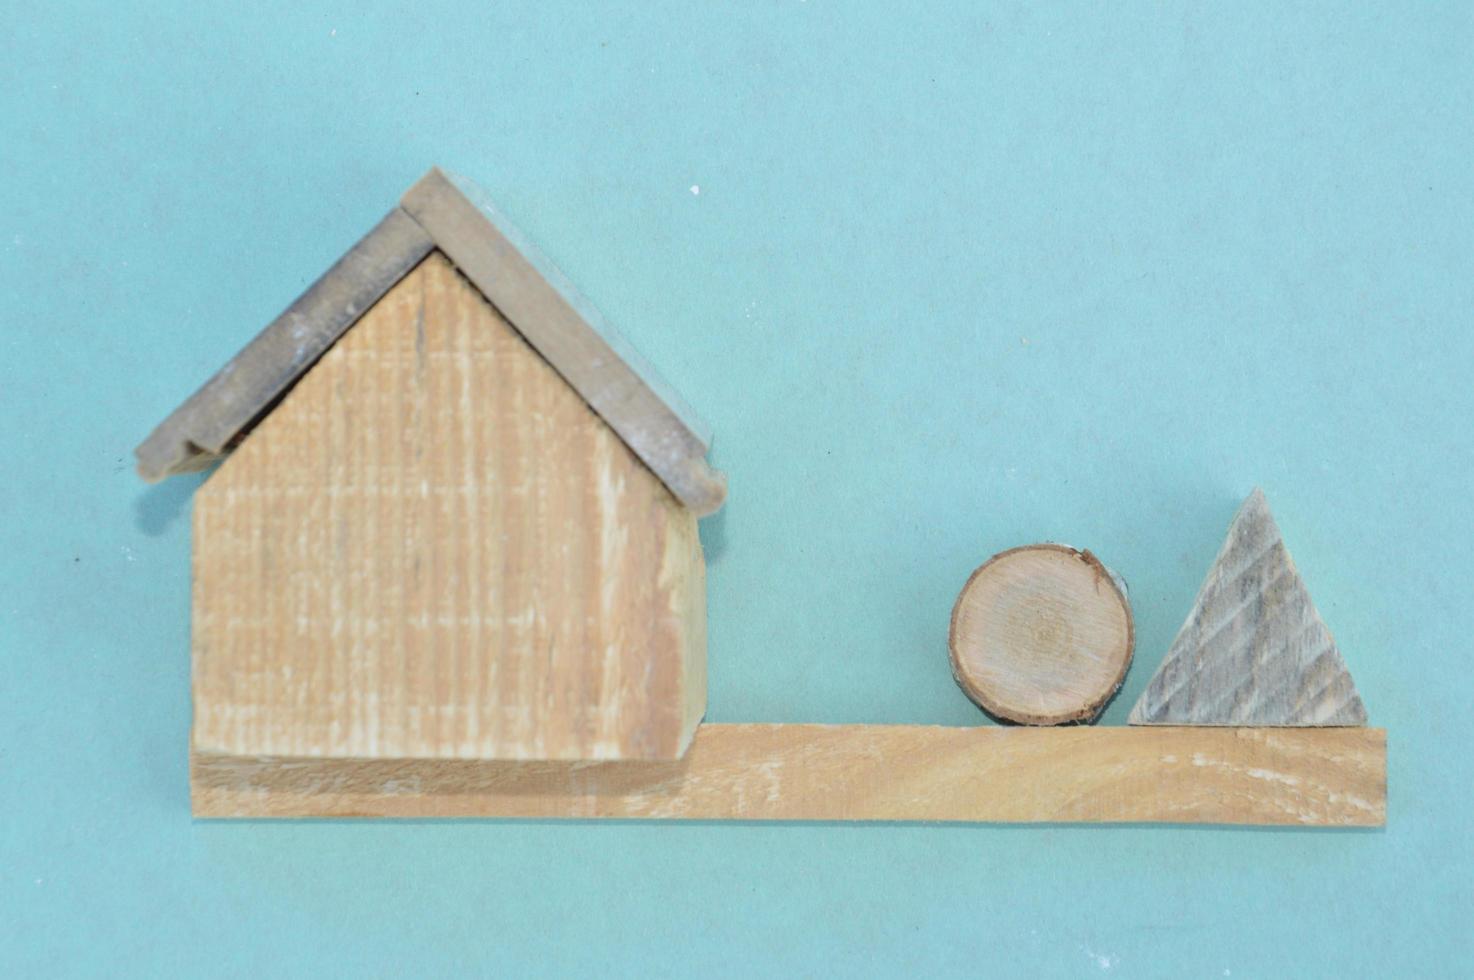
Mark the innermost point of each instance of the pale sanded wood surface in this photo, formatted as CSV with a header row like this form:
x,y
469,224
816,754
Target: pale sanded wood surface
x,y
570,334
1253,650
1042,635
1309,777
205,427
434,548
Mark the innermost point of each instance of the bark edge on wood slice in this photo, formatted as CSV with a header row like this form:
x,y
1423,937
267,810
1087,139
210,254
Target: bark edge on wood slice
x,y
1042,635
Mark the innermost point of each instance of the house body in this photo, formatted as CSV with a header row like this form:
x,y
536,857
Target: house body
x,y
456,518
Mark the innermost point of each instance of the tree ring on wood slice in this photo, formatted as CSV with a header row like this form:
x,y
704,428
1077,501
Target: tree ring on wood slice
x,y
1042,635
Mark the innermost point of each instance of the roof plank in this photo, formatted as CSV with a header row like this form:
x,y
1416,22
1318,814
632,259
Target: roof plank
x,y
570,335
451,214
205,427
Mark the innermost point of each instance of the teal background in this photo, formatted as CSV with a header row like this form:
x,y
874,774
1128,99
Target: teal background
x,y
958,278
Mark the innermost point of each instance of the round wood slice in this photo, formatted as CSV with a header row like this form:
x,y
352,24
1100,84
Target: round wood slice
x,y
1042,635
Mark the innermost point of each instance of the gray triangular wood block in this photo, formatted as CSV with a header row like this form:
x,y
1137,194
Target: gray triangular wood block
x,y
1253,650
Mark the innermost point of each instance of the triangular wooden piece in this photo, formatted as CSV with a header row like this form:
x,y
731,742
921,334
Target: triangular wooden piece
x,y
1253,651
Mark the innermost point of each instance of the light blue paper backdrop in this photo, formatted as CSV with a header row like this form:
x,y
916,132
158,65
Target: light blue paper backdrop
x,y
945,280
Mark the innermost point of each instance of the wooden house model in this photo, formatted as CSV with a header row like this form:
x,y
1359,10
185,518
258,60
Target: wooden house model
x,y
455,517
449,567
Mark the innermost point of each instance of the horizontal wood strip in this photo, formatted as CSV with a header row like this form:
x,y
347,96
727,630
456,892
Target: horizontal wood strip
x,y
1332,777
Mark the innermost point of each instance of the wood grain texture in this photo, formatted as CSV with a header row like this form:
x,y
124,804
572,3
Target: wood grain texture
x,y
570,334
207,425
1305,777
1254,650
434,549
1042,635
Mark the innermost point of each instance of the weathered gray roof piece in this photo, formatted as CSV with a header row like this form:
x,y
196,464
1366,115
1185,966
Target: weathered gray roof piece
x,y
449,213
208,425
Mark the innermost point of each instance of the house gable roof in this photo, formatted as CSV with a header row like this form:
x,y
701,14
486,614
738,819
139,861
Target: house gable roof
x,y
452,214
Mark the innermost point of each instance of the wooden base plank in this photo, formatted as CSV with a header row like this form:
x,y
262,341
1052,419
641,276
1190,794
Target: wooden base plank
x,y
1329,777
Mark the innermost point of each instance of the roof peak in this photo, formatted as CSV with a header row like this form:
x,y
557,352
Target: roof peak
x,y
450,213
